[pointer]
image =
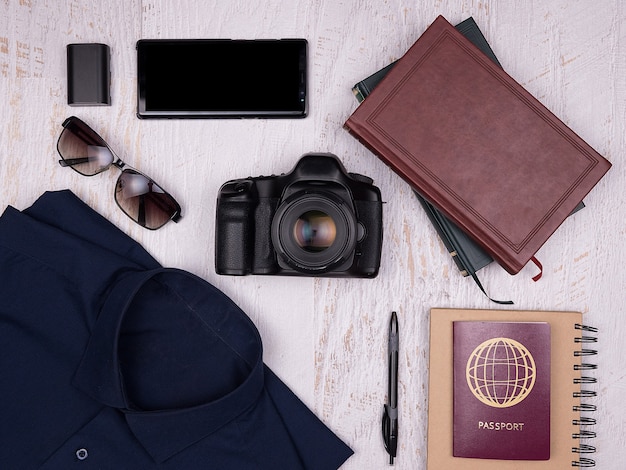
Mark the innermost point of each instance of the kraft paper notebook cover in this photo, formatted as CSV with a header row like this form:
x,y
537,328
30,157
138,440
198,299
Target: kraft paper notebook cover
x,y
477,145
570,416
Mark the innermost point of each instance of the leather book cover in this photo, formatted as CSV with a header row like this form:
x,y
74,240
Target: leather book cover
x,y
501,390
468,256
477,145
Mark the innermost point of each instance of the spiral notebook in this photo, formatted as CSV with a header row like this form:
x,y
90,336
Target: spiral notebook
x,y
563,346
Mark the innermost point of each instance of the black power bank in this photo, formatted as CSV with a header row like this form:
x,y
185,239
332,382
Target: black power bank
x,y
88,75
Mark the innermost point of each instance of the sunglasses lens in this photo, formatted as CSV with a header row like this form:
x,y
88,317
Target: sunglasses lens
x,y
144,201
82,149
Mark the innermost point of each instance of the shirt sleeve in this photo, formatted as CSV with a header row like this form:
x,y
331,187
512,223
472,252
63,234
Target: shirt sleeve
x,y
318,447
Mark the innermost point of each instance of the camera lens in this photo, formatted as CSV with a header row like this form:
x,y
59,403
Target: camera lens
x,y
314,231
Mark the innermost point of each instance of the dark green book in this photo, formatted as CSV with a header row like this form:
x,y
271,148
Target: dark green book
x,y
467,254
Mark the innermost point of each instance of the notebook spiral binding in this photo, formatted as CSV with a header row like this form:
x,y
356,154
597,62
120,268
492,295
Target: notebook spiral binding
x,y
584,422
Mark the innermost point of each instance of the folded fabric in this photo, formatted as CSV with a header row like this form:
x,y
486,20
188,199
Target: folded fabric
x,y
112,361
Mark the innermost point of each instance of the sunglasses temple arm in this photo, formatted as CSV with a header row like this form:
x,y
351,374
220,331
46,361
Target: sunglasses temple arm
x,y
141,215
75,161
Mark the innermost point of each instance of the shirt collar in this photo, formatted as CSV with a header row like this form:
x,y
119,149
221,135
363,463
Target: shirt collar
x,y
163,433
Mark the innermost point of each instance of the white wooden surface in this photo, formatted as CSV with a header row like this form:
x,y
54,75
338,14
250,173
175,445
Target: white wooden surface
x,y
326,337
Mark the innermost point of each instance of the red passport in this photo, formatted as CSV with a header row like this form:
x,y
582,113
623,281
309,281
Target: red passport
x,y
477,145
501,390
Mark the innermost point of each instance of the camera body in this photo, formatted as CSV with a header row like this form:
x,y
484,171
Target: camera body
x,y
317,220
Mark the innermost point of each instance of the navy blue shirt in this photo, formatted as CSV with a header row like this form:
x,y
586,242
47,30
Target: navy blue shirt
x,y
110,361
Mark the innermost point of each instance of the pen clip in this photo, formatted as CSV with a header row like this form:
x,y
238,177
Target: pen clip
x,y
390,435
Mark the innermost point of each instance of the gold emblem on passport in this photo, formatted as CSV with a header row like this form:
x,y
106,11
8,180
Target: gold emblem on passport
x,y
501,372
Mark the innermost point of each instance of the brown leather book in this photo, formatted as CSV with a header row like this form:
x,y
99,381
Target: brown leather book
x,y
477,145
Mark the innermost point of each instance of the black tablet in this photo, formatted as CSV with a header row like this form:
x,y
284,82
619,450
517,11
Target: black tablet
x,y
221,78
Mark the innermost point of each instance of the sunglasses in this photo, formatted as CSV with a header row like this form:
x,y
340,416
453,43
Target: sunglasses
x,y
139,197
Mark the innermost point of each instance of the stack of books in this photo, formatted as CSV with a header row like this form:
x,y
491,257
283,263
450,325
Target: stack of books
x,y
496,171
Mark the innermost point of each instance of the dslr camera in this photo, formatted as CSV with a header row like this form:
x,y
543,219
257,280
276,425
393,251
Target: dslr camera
x,y
317,220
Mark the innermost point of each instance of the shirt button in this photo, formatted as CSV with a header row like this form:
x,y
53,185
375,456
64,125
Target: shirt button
x,y
81,454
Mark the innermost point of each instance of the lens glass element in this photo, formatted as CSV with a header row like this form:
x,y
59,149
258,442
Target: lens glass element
x,y
83,150
144,201
314,231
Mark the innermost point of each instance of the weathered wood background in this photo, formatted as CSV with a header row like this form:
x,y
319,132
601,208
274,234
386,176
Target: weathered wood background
x,y
326,338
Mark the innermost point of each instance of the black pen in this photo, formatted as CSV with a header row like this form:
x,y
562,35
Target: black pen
x,y
390,414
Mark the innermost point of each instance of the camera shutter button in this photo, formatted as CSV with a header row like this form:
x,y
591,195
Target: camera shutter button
x,y
361,178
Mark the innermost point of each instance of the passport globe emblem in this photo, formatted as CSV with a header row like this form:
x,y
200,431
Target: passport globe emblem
x,y
501,372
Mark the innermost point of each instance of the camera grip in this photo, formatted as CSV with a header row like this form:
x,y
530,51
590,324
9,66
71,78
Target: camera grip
x,y
370,214
234,238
